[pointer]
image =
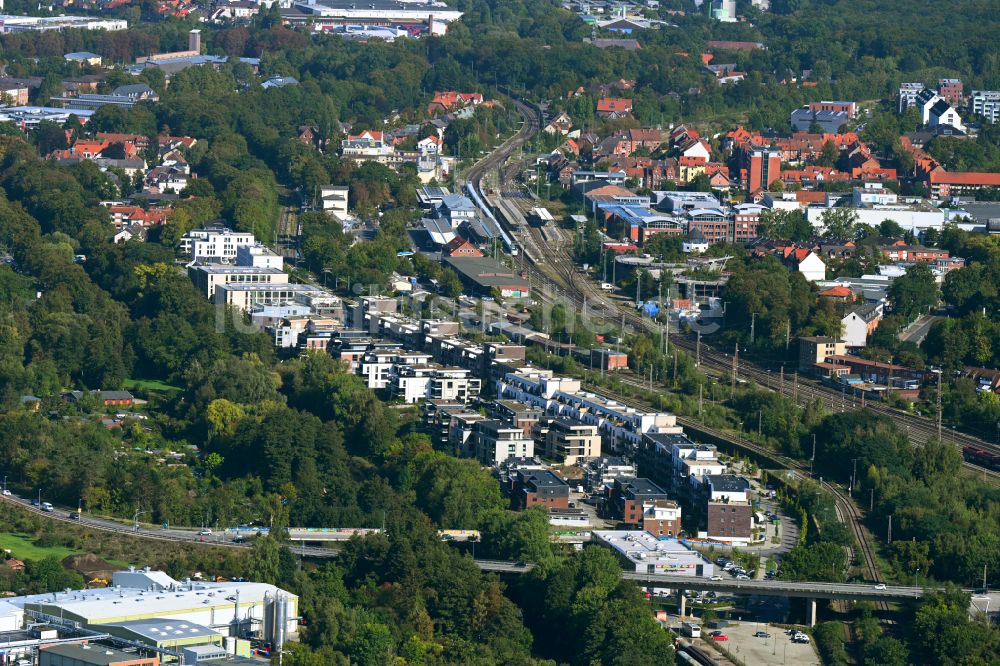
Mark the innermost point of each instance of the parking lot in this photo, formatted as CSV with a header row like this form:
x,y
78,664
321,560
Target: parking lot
x,y
755,651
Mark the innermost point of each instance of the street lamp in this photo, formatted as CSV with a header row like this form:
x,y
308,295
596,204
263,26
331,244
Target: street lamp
x,y
135,520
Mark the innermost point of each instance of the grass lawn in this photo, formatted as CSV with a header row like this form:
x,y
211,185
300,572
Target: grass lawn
x,y
150,385
22,546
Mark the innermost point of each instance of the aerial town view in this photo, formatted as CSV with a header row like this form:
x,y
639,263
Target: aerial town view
x,y
500,332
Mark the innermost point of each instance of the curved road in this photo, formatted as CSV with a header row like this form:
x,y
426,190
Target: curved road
x,y
172,534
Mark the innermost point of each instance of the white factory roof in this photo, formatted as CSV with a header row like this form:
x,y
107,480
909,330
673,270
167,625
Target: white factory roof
x,y
113,603
642,548
163,630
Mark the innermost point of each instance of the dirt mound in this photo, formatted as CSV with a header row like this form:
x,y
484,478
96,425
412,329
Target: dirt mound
x,y
89,566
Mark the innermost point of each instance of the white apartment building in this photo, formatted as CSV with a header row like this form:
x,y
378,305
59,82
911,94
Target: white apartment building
x,y
376,365
454,384
208,278
416,383
908,95
496,441
258,256
986,103
621,426
214,244
333,199
367,145
572,442
249,296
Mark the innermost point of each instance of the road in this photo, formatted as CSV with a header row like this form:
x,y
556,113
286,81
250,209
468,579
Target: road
x,y
812,590
917,331
160,534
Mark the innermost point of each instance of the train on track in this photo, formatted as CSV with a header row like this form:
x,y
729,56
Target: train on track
x,y
981,457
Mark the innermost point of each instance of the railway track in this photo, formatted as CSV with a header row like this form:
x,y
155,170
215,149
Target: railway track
x,y
553,267
862,555
918,430
580,290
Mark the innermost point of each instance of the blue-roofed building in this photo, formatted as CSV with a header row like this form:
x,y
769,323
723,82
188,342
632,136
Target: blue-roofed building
x,y
640,223
279,82
830,121
172,65
83,58
457,208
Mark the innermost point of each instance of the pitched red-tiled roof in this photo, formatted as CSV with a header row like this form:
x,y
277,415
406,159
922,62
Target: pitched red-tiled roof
x,y
614,105
809,197
837,291
375,136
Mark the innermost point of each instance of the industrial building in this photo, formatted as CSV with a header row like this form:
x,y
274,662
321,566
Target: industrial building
x,y
9,23
145,618
326,15
74,654
642,552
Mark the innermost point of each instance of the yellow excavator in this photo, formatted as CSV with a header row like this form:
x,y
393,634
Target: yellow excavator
x,y
99,582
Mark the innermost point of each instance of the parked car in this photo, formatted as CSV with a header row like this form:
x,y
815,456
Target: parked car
x,y
720,637
762,634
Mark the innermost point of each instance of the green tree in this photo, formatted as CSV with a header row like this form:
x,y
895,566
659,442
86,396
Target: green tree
x,y
372,645
829,154
777,224
887,651
839,223
915,292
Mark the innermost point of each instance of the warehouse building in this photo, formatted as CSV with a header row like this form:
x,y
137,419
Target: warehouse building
x,y
74,654
484,275
152,609
644,553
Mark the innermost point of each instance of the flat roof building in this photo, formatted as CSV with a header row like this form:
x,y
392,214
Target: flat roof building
x,y
9,23
167,634
644,553
208,278
572,442
249,296
75,654
138,599
484,275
